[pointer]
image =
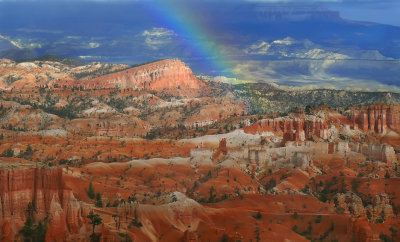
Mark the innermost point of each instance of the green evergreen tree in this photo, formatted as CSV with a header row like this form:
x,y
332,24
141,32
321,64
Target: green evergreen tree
x,y
91,191
136,221
95,220
258,215
211,199
33,232
8,153
28,151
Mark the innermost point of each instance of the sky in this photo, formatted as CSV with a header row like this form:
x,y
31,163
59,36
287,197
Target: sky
x,y
294,43
379,11
385,12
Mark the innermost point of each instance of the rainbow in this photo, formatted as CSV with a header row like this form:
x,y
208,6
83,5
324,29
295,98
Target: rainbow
x,y
172,15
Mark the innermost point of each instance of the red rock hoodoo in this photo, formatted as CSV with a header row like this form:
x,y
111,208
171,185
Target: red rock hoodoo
x,y
44,188
291,129
377,118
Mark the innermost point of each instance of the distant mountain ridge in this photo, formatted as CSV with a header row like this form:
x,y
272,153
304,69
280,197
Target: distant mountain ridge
x,y
169,75
54,58
173,77
266,98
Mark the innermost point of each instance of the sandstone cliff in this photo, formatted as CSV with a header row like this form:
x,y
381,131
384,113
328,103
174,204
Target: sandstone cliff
x,y
44,188
292,129
378,118
170,74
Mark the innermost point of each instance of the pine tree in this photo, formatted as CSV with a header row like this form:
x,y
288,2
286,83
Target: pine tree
x,y
91,191
136,222
95,220
258,215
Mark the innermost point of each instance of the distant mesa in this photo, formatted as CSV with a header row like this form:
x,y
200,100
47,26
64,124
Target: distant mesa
x,y
170,76
156,76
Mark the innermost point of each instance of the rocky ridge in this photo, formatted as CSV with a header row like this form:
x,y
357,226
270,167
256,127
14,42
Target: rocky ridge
x,y
41,73
170,75
38,192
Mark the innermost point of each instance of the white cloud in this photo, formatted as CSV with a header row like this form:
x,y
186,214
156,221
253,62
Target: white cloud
x,y
258,49
155,38
90,57
262,48
77,42
230,80
306,49
14,43
255,71
73,37
34,45
20,44
285,41
319,54
93,45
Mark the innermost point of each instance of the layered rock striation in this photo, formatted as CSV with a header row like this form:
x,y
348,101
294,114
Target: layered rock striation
x,y
377,118
158,76
41,193
296,129
376,152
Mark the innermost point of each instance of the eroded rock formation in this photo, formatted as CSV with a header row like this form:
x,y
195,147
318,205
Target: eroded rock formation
x,y
381,208
377,118
157,76
376,152
297,129
350,203
221,152
44,191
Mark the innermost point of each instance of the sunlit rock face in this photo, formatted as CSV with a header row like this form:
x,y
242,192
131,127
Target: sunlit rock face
x,y
41,193
378,118
292,129
158,76
158,154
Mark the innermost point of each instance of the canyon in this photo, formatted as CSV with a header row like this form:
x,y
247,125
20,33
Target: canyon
x,y
159,155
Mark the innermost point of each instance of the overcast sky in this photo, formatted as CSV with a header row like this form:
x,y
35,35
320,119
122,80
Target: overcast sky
x,y
380,11
386,12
